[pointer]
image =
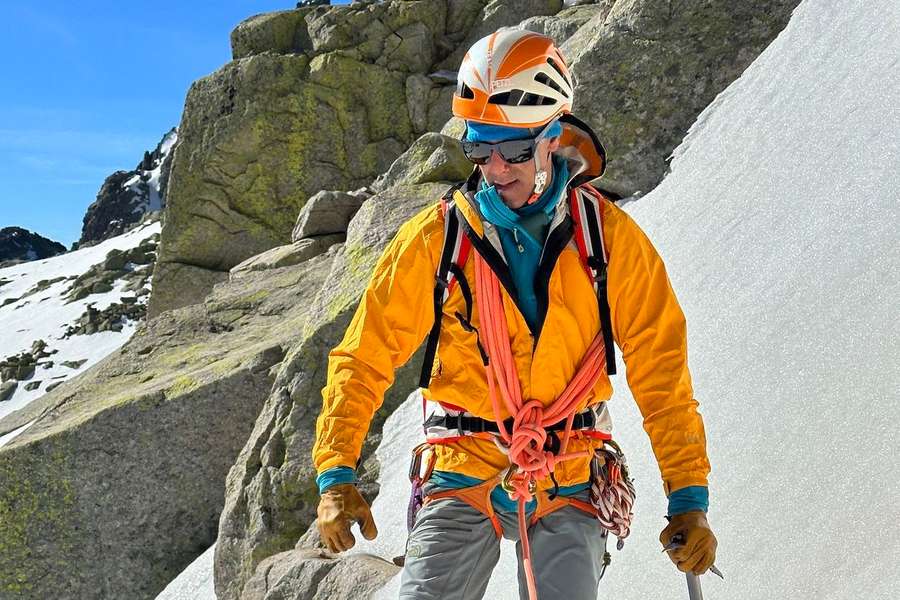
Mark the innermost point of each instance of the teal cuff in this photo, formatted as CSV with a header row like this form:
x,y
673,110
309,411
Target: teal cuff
x,y
334,476
695,497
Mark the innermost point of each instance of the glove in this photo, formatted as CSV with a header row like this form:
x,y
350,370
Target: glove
x,y
339,506
698,553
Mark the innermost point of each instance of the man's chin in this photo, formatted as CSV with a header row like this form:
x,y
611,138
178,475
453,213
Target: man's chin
x,y
510,198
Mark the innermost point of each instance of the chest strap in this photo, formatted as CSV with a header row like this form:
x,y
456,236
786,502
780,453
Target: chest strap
x,y
466,424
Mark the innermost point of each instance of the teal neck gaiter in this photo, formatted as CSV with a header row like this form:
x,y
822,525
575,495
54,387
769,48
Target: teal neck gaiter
x,y
523,232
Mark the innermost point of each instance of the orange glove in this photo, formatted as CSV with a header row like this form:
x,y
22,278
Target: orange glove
x,y
698,551
339,506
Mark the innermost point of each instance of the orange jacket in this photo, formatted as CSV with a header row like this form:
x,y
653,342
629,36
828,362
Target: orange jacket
x,y
396,313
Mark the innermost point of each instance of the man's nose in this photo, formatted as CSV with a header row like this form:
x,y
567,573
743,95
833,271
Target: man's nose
x,y
496,162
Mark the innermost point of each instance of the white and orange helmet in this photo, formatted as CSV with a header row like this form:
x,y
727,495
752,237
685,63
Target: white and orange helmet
x,y
513,78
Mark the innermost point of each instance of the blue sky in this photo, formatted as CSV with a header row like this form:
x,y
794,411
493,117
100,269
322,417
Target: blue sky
x,y
88,86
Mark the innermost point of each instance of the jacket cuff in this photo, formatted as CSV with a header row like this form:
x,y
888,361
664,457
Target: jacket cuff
x,y
334,476
695,497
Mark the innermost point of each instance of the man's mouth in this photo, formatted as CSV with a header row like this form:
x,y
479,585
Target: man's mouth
x,y
502,186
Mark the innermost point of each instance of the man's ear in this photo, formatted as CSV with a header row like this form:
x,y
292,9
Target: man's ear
x,y
554,145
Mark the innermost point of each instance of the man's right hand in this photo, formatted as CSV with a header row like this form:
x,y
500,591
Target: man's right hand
x,y
339,506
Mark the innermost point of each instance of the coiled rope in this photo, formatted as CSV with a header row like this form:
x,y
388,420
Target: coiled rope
x,y
529,460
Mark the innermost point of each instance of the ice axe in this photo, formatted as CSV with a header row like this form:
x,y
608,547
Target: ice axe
x,y
693,580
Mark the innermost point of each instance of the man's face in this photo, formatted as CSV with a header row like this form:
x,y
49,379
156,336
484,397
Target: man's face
x,y
515,182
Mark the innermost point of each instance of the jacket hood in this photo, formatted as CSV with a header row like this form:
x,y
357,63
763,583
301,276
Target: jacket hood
x,y
580,146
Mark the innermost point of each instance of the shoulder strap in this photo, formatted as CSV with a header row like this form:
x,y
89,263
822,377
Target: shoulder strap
x,y
588,216
454,253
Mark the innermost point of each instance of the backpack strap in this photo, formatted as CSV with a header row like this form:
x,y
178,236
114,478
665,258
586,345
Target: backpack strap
x,y
454,253
588,216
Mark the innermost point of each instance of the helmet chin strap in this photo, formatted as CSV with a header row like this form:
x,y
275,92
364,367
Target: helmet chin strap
x,y
540,179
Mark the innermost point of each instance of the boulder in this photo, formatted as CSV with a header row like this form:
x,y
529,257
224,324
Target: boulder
x,y
282,32
259,138
318,575
328,212
418,88
566,22
433,157
397,35
497,14
285,256
7,388
73,364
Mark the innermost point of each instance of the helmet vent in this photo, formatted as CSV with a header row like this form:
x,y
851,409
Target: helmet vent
x,y
502,99
465,91
556,68
542,78
510,98
530,99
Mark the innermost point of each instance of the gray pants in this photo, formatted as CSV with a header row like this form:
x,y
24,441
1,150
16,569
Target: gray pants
x,y
453,549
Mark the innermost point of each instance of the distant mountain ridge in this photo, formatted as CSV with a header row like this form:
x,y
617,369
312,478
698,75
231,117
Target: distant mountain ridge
x,y
126,196
20,245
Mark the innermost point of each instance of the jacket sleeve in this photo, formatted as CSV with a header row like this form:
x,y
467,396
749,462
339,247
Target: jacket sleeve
x,y
650,329
393,317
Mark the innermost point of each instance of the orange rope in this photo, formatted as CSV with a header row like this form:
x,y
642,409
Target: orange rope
x,y
526,441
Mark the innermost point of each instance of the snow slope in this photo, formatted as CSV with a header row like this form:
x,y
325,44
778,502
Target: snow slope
x,y
779,228
45,315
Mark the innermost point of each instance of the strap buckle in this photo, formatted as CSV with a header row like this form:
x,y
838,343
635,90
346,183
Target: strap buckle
x,y
506,481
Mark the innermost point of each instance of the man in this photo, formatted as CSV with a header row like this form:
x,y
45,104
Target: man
x,y
523,326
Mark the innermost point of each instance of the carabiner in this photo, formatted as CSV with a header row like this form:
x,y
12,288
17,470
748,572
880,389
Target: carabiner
x,y
415,466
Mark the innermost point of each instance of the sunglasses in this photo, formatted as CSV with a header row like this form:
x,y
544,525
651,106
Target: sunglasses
x,y
512,151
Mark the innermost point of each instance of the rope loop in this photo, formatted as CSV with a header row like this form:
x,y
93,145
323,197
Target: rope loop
x,y
529,459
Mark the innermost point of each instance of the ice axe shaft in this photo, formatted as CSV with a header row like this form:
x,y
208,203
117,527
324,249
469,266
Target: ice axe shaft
x,y
693,583
693,580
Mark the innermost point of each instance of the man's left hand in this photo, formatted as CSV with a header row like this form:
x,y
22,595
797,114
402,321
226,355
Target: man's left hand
x,y
698,553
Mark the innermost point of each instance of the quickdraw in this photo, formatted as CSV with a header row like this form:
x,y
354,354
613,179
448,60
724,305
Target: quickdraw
x,y
612,491
417,479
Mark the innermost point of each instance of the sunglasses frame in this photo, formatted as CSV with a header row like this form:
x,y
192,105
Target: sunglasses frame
x,y
523,153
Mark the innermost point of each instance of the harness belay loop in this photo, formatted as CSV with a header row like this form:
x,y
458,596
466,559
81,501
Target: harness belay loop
x,y
612,491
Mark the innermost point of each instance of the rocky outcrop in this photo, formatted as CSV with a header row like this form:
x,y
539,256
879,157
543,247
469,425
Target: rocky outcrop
x,y
134,266
645,70
111,318
22,366
19,245
119,483
317,98
274,468
126,196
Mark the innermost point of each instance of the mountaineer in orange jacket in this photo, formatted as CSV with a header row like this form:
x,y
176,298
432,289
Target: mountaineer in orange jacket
x,y
559,283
